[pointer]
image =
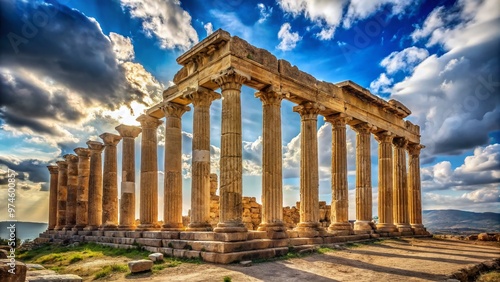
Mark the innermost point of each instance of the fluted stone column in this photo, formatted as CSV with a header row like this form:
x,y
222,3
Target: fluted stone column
x,y
110,182
200,164
272,176
309,178
231,167
340,192
62,194
149,173
54,174
95,186
363,178
72,161
172,188
400,186
127,200
414,190
82,192
385,216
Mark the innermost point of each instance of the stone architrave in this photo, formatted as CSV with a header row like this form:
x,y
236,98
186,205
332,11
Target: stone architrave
x,y
172,188
309,178
127,200
148,210
272,175
200,164
385,215
110,182
400,186
231,166
414,189
82,192
54,174
62,194
94,220
363,223
72,161
340,194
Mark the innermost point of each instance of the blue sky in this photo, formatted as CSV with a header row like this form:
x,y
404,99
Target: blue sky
x,y
71,70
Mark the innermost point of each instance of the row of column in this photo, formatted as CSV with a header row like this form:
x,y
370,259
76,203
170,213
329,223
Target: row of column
x,y
78,179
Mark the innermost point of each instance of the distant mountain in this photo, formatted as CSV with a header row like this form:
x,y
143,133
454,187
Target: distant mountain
x,y
24,230
457,221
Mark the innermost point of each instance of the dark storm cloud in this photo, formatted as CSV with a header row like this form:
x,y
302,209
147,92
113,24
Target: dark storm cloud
x,y
36,169
49,52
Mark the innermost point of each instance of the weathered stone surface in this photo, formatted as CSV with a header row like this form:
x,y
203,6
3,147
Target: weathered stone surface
x,y
242,49
286,69
156,257
55,278
140,265
19,271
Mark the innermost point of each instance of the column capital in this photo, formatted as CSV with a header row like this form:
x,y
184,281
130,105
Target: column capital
x,y
110,139
202,97
414,149
384,137
148,121
95,146
70,158
338,120
269,96
363,128
62,165
308,110
53,169
128,131
174,110
230,79
82,152
400,142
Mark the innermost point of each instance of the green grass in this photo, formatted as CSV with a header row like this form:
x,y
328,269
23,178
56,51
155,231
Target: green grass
x,y
110,269
226,279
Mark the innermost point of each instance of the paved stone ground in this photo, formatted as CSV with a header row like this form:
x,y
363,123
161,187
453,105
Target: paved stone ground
x,y
392,260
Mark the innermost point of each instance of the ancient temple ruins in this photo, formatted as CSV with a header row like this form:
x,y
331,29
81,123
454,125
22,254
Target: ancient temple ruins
x,y
84,187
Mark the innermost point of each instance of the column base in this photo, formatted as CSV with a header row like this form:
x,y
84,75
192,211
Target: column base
x,y
275,230
126,227
78,227
172,227
386,227
91,228
340,228
230,227
363,227
309,229
58,228
404,228
109,227
419,229
199,226
148,227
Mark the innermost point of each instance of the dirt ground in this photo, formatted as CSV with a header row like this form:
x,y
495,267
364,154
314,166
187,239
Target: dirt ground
x,y
391,260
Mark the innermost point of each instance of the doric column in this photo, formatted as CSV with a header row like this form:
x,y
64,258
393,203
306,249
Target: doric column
x,y
72,161
110,182
414,190
200,164
340,192
231,167
172,187
272,176
363,178
82,192
54,174
309,178
62,194
400,185
385,218
149,173
127,200
95,186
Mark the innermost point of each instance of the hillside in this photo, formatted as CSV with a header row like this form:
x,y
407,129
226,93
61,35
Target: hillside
x,y
457,221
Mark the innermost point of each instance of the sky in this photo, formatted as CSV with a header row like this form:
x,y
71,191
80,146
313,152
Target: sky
x,y
71,70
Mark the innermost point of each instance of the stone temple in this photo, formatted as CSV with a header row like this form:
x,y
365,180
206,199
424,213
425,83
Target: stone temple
x,y
84,203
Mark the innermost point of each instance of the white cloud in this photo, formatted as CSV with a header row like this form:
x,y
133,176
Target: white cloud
x,y
481,200
404,60
209,28
166,20
122,46
264,11
288,39
381,84
433,23
360,9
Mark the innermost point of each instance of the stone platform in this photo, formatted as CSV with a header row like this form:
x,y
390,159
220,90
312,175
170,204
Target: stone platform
x,y
213,247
